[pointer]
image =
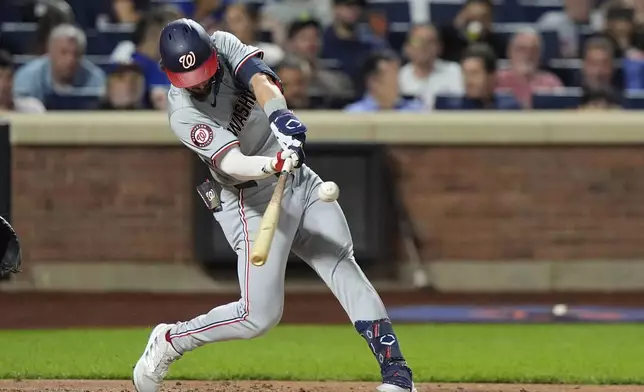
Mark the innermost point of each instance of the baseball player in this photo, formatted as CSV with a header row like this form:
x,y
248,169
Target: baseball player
x,y
226,105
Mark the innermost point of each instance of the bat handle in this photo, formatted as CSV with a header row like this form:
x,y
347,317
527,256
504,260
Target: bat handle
x,y
286,167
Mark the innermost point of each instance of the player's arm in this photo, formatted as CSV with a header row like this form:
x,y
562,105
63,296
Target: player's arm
x,y
245,168
251,71
221,147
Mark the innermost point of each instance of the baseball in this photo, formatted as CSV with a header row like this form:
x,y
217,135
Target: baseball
x,y
329,191
559,310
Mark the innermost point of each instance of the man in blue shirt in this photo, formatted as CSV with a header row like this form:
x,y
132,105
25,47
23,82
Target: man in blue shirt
x,y
380,72
62,71
346,42
479,73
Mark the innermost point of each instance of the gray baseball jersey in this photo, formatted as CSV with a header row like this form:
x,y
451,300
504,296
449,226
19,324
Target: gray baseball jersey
x,y
315,230
237,118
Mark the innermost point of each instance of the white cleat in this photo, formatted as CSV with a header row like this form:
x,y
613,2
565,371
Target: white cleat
x,y
156,360
394,388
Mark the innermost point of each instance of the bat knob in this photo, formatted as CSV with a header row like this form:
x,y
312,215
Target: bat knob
x,y
257,260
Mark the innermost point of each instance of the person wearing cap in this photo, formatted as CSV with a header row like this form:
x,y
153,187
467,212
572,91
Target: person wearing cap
x,y
8,102
125,88
347,42
146,54
333,87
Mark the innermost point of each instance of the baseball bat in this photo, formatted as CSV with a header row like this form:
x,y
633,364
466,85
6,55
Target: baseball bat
x,y
271,216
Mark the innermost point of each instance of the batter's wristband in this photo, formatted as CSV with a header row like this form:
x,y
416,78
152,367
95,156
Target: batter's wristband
x,y
274,105
279,164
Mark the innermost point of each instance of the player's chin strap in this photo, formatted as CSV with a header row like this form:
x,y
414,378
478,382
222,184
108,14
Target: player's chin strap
x,y
216,82
382,340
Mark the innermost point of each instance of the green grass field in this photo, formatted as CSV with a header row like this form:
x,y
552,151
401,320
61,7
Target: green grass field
x,y
593,354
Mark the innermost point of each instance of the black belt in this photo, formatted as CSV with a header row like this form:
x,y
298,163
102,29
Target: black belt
x,y
246,185
250,184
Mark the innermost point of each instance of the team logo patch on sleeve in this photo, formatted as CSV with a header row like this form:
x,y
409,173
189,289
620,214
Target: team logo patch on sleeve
x,y
201,135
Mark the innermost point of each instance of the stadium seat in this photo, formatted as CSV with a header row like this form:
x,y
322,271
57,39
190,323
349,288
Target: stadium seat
x,y
443,13
396,11
397,40
9,12
634,100
20,36
459,102
56,102
561,100
104,42
532,12
568,70
550,45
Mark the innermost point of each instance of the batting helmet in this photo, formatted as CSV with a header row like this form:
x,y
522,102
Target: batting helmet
x,y
187,55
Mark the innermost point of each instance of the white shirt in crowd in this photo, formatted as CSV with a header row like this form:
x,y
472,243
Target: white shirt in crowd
x,y
446,78
27,105
567,30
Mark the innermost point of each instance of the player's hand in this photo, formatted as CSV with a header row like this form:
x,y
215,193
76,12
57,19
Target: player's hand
x,y
290,133
286,123
282,156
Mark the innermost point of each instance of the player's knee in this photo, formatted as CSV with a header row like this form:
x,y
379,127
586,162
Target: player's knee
x,y
262,321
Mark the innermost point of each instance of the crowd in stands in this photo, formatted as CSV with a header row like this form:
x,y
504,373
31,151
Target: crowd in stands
x,y
352,55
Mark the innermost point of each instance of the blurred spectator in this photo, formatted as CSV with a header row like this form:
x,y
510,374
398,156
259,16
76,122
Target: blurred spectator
x,y
7,101
243,21
380,72
164,14
598,67
144,51
426,75
524,77
125,88
64,68
210,13
638,6
347,42
295,76
49,16
276,15
304,41
620,28
121,12
567,24
479,71
600,99
472,24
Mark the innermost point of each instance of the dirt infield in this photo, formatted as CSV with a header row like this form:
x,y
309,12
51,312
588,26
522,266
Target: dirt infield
x,y
290,386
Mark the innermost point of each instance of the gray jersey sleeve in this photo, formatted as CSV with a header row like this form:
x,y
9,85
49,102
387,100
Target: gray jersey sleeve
x,y
233,50
201,134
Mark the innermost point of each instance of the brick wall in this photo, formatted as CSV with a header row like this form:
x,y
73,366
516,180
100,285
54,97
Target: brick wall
x,y
554,203
114,204
474,203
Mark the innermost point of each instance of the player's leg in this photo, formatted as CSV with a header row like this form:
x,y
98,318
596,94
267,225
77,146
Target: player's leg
x,y
324,242
262,288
